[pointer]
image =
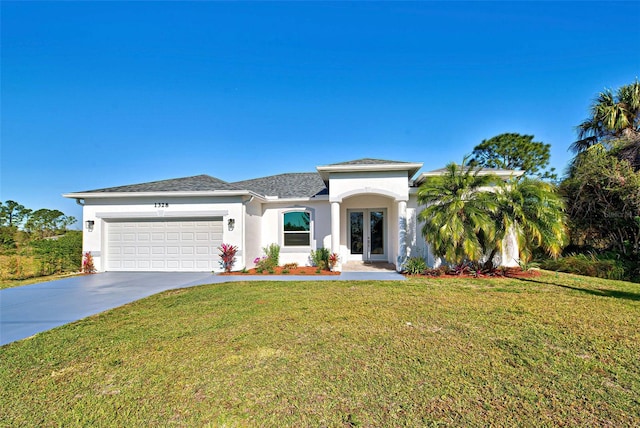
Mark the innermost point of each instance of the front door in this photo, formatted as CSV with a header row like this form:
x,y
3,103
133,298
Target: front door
x,y
367,234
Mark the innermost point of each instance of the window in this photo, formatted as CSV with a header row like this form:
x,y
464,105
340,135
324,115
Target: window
x,y
297,229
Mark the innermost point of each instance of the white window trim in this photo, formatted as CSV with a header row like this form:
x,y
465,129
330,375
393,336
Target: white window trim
x,y
281,233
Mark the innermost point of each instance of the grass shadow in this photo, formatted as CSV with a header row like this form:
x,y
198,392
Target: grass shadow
x,y
602,292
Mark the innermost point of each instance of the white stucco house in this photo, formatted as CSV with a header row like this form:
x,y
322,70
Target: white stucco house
x,y
364,210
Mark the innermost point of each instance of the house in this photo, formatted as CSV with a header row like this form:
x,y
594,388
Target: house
x,y
364,210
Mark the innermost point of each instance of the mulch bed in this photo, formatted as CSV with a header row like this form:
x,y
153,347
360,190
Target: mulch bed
x,y
300,270
512,272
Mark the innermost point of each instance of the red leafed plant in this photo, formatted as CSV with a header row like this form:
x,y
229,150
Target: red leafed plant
x,y
87,263
227,256
334,258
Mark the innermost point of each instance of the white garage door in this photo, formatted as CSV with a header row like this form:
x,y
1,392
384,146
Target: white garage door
x,y
149,245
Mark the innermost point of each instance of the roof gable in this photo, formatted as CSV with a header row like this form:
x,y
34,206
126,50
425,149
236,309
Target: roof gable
x,y
368,165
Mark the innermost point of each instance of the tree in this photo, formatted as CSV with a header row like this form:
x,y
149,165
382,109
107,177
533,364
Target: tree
x,y
45,222
517,152
613,117
603,199
468,215
12,213
458,214
533,211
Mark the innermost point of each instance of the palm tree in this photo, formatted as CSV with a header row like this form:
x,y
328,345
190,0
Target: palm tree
x,y
534,212
458,214
468,215
613,117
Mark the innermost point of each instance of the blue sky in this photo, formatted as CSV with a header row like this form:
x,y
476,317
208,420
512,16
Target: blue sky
x,y
100,94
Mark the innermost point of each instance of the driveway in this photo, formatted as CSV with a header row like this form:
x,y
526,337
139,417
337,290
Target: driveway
x,y
31,309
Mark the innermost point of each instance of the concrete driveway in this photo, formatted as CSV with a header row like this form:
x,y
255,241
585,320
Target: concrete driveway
x,y
30,309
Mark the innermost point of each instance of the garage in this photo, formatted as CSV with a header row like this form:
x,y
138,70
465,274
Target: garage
x,y
180,245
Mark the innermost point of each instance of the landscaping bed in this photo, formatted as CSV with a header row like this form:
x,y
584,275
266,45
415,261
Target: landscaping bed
x,y
281,270
447,273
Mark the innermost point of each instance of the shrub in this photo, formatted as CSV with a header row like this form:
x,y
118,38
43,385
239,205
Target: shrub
x,y
14,268
7,237
334,258
63,254
587,264
263,263
434,272
465,268
87,263
414,265
227,256
320,258
290,266
273,254
526,266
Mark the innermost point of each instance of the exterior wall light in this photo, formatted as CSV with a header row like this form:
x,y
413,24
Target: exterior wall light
x,y
231,224
90,224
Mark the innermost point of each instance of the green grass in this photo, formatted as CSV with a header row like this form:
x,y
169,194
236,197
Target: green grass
x,y
9,283
554,350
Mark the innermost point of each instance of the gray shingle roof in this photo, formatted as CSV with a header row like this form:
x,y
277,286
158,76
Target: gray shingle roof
x,y
291,185
369,161
195,183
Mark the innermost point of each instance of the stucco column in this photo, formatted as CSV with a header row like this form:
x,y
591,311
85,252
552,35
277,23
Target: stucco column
x,y
402,234
335,231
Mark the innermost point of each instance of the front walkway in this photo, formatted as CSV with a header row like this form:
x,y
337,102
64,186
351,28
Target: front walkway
x,y
31,309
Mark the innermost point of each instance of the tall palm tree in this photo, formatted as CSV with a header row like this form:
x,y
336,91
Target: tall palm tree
x,y
613,117
534,212
458,213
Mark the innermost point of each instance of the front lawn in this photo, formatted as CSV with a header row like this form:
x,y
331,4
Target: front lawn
x,y
552,350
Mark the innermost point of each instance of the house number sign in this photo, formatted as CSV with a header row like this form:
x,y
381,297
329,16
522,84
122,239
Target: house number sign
x,y
161,205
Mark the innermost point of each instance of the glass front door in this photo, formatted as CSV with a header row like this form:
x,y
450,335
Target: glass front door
x,y
367,234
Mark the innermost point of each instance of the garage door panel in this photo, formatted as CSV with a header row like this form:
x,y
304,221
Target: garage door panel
x,y
154,245
201,264
203,236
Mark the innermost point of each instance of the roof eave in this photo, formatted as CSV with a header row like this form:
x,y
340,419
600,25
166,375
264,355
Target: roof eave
x,y
276,199
504,174
164,194
411,168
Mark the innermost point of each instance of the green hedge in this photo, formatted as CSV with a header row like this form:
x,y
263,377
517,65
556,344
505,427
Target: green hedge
x,y
589,265
63,254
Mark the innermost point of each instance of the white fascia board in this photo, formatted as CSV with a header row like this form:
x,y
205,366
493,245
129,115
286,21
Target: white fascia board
x,y
104,195
275,199
325,170
502,173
